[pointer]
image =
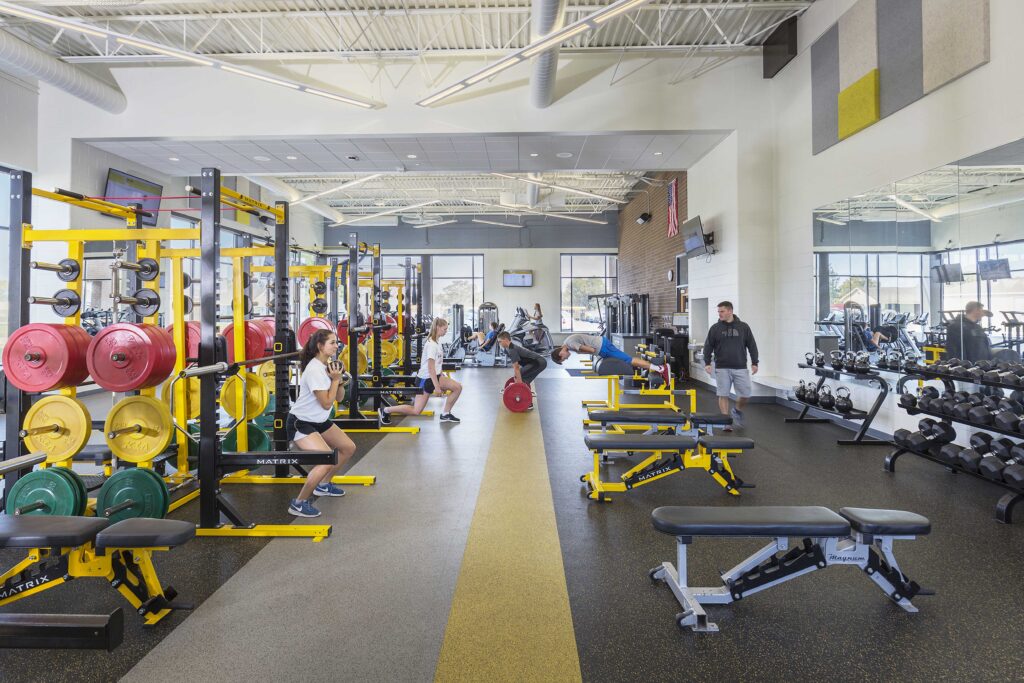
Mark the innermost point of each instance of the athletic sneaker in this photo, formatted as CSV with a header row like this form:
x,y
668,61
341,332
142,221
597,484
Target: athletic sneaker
x,y
449,417
303,508
529,407
737,417
666,373
328,489
385,419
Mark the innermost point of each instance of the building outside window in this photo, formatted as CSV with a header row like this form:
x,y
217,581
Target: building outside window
x,y
457,279
584,275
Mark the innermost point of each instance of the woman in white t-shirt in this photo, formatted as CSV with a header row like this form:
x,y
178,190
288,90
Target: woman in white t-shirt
x,y
309,424
432,381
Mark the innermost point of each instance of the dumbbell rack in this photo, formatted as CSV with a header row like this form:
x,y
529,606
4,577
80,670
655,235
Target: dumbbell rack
x,y
861,438
1006,504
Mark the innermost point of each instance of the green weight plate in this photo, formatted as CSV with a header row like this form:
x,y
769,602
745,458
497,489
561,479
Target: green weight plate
x,y
258,440
163,488
57,493
83,492
136,484
364,400
271,406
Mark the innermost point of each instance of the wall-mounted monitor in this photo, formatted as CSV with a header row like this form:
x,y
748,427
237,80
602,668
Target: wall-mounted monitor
x,y
948,272
693,237
128,190
517,278
995,269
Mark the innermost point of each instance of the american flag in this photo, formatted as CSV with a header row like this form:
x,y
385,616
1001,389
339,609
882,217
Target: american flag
x,y
673,208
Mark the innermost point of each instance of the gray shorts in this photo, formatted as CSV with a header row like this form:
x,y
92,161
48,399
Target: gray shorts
x,y
739,380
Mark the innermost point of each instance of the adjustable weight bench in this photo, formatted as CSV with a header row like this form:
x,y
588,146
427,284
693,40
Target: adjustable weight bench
x,y
857,536
65,548
670,453
655,421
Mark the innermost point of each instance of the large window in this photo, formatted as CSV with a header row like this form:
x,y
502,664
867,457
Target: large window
x,y
457,280
997,295
890,281
582,276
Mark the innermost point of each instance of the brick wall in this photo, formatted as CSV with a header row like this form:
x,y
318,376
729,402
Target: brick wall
x,y
646,253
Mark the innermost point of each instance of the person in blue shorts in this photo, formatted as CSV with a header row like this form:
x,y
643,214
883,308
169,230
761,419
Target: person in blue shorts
x,y
595,344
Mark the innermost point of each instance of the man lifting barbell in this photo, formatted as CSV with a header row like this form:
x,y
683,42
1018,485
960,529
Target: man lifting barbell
x,y
526,364
603,348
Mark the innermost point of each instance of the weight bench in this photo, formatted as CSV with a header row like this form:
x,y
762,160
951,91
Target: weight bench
x,y
64,548
670,453
656,420
857,536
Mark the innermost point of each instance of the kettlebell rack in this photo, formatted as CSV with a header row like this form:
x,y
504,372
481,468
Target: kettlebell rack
x,y
1013,495
866,417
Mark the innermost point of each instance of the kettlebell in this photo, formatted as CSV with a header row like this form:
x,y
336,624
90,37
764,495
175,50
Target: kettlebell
x,y
811,395
809,358
843,402
800,390
825,398
837,360
895,360
819,358
850,361
862,363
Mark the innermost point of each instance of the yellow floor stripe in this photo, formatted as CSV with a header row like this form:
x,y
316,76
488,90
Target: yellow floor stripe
x,y
510,618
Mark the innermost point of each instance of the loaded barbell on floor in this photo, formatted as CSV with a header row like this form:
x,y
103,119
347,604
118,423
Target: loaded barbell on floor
x,y
517,396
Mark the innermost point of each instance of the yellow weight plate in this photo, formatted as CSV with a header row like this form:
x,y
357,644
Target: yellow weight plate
x,y
256,396
388,354
72,431
138,428
268,373
364,361
191,384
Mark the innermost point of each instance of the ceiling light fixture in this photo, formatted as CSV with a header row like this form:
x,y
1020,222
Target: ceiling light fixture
x,y
498,223
260,157
398,209
563,188
658,154
410,156
167,51
541,44
564,155
534,154
291,157
830,220
910,207
350,183
519,209
435,223
173,159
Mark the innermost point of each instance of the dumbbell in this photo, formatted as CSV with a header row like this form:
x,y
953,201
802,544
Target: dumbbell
x,y
949,452
1012,405
969,458
992,467
949,401
928,394
908,401
985,365
1014,474
1007,420
901,437
981,415
940,432
1009,378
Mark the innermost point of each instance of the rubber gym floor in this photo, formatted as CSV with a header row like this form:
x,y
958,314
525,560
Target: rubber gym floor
x,y
477,557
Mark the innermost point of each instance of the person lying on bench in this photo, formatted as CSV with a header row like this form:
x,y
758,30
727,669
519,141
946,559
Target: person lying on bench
x,y
526,364
600,346
487,341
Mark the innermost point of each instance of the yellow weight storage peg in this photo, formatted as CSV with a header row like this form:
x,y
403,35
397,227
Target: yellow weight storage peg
x,y
59,426
256,396
191,385
139,428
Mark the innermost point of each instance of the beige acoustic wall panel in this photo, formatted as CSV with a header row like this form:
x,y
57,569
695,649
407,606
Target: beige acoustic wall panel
x,y
955,39
858,43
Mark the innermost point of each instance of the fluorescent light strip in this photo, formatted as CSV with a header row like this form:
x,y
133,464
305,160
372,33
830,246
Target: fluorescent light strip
x,y
587,23
830,220
260,77
150,47
357,181
504,225
387,213
518,209
435,224
563,188
910,207
8,8
340,98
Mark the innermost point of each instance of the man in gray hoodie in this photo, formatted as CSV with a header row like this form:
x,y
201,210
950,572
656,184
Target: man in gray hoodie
x,y
729,340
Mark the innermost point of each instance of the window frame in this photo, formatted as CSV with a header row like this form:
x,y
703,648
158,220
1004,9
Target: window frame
x,y
562,277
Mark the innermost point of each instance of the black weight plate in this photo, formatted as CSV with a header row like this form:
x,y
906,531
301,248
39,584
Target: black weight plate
x,y
135,484
188,304
149,302
319,306
72,272
83,492
74,303
186,280
319,288
246,305
150,270
58,493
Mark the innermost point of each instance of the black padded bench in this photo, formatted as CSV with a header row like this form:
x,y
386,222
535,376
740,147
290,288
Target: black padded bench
x,y
63,548
655,418
857,536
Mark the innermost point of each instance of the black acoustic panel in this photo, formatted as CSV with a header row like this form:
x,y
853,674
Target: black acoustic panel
x,y
780,48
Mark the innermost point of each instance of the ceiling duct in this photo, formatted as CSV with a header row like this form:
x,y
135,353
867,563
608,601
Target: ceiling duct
x,y
532,191
548,16
25,61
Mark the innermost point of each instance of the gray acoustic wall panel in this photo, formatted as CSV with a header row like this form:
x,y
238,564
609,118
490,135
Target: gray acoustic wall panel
x,y
900,60
825,90
956,39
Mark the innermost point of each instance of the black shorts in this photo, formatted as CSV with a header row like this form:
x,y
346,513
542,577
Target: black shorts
x,y
427,385
296,426
529,370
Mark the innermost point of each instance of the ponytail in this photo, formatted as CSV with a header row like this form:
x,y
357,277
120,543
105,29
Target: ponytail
x,y
311,348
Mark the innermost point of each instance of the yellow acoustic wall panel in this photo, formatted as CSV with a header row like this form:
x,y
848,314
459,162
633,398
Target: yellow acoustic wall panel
x,y
858,105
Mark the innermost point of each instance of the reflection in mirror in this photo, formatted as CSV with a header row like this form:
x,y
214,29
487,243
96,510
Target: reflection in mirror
x,y
835,281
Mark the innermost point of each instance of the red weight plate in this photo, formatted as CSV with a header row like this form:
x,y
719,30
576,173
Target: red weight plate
x,y
126,357
391,332
310,325
517,397
193,335
509,382
270,329
255,341
44,356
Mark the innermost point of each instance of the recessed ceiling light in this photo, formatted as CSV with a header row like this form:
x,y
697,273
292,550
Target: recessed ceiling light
x,y
564,155
261,158
657,154
410,156
173,159
291,157
534,154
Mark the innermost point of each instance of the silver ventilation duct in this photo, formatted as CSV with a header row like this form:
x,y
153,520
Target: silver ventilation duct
x,y
548,16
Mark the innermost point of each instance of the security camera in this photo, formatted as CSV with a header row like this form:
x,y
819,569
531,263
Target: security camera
x,y
643,218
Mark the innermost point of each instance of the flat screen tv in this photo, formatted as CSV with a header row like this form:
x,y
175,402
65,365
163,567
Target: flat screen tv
x,y
693,237
949,272
517,278
128,190
995,269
